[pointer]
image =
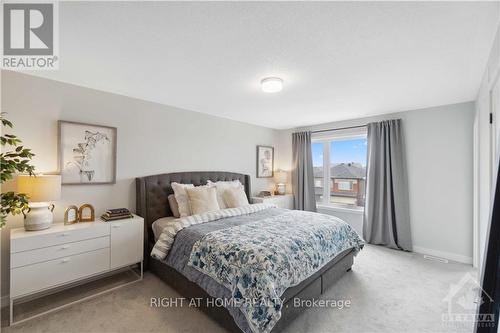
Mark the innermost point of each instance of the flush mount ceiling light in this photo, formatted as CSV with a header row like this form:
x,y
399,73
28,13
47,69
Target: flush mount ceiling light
x,y
271,84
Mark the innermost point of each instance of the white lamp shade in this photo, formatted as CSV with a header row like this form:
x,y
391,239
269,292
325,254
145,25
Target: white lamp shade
x,y
41,188
280,176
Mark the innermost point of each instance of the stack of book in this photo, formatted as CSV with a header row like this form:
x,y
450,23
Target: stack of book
x,y
116,214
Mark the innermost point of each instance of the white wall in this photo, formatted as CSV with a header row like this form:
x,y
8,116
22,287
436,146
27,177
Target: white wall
x,y
439,144
284,146
152,138
483,145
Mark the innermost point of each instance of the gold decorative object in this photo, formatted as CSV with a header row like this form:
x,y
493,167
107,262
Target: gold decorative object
x,y
71,215
82,217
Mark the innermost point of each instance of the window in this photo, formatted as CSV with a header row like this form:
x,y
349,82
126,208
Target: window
x,y
340,158
344,185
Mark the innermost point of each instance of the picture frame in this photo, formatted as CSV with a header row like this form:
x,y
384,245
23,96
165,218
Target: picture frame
x,y
265,161
82,217
71,215
86,153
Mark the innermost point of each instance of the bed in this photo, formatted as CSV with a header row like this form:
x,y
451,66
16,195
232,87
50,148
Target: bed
x,y
152,204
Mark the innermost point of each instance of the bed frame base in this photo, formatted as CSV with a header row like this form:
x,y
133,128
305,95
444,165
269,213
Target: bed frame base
x,y
310,288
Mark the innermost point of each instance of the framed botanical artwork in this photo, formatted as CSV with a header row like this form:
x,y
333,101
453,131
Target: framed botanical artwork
x,y
265,162
87,153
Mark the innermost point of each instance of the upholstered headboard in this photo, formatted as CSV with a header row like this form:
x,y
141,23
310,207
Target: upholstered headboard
x,y
152,193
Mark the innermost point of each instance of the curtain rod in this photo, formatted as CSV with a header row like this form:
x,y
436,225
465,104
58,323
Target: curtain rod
x,y
338,129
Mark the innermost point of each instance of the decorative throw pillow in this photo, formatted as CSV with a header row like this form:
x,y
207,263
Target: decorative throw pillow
x,y
222,186
174,206
182,198
202,199
235,197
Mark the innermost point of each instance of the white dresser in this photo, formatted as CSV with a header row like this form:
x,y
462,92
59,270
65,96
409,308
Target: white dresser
x,y
282,201
64,254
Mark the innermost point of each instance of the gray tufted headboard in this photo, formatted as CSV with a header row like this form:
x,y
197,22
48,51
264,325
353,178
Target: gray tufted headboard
x,y
152,193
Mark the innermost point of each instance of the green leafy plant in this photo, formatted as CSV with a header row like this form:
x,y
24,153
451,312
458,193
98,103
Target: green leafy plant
x,y
15,160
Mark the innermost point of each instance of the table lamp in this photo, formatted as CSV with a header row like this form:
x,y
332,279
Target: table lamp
x,y
280,177
41,190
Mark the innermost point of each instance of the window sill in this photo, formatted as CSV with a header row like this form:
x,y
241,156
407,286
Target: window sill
x,y
333,208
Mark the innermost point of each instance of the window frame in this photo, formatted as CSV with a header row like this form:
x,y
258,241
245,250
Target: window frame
x,y
326,138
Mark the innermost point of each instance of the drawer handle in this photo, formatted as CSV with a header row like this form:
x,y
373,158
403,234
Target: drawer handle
x,y
64,234
65,247
116,226
65,260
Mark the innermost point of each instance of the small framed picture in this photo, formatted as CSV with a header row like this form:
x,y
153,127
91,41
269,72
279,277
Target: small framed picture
x,y
86,213
87,153
265,161
71,215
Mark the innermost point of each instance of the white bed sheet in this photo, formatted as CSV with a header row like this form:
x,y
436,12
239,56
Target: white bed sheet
x,y
160,224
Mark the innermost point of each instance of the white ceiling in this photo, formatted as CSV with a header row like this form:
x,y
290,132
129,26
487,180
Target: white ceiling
x,y
337,60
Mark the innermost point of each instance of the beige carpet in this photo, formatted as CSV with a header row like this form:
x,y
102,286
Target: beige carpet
x,y
390,291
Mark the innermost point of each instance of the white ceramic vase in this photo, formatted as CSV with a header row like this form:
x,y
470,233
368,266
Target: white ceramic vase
x,y
39,216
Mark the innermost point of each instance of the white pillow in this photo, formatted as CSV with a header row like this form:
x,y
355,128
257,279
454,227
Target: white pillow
x,y
202,199
182,198
222,186
235,197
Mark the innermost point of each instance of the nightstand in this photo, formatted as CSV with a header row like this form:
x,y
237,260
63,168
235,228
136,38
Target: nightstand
x,y
282,201
63,255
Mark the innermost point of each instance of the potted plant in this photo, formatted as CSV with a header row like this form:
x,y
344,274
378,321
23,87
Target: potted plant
x,y
14,158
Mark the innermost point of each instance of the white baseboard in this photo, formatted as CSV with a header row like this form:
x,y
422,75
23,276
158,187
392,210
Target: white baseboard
x,y
441,254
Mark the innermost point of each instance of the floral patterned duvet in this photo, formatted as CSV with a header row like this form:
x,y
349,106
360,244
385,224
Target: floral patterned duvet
x,y
259,260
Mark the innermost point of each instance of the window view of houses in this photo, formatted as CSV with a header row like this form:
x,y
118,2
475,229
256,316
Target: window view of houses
x,y
343,163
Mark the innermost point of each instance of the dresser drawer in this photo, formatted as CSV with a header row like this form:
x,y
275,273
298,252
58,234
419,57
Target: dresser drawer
x,y
36,277
126,243
29,257
49,237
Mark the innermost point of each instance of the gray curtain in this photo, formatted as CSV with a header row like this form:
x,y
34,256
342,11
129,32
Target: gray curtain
x,y
302,172
387,212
